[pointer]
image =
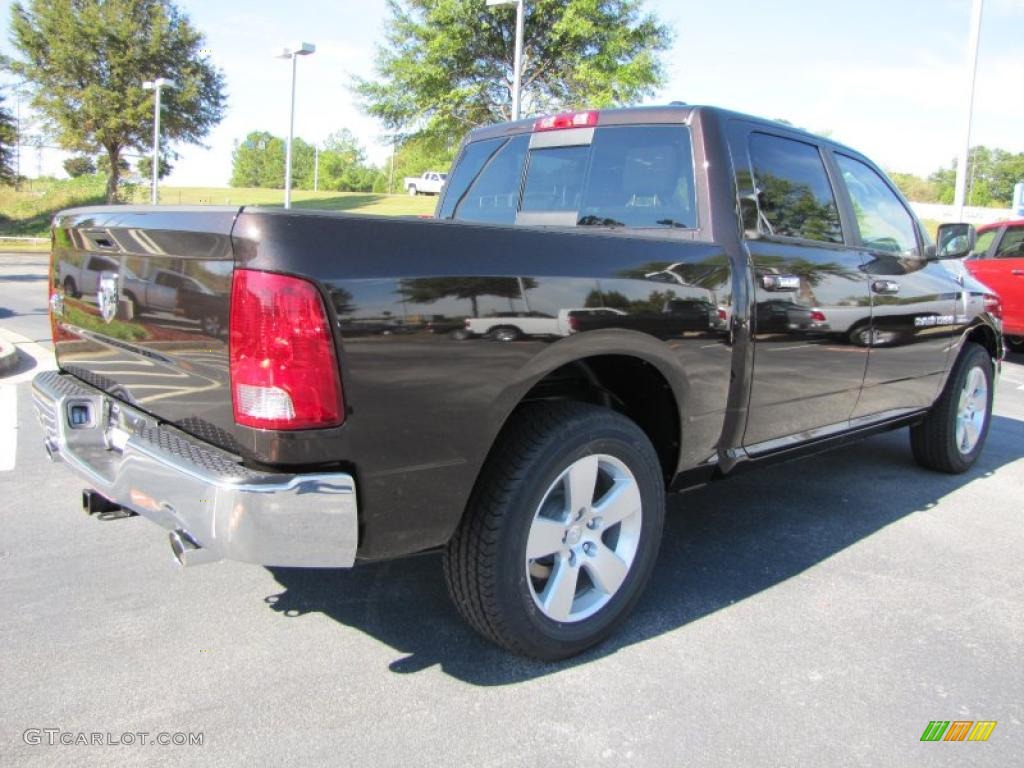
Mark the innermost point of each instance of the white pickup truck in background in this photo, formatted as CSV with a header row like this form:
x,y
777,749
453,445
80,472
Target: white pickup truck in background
x,y
430,183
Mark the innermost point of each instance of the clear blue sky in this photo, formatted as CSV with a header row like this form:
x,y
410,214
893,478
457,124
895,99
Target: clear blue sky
x,y
886,77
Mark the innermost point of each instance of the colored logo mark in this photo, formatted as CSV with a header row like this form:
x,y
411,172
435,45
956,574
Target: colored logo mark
x,y
958,730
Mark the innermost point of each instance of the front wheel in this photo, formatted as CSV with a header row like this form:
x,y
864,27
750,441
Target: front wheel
x,y
562,530
951,437
1015,343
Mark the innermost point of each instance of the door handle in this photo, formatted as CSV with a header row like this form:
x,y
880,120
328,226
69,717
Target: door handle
x,y
773,282
885,286
1017,272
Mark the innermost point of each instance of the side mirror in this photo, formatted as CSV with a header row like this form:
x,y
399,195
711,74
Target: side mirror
x,y
954,241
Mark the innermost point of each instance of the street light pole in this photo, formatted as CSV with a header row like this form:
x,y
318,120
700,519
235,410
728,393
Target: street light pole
x,y
517,65
156,86
960,196
302,49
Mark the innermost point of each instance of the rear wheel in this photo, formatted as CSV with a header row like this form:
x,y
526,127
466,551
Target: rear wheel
x,y
1016,343
506,333
412,190
951,437
70,288
561,533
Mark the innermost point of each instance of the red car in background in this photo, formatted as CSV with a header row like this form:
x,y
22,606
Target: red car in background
x,y
998,262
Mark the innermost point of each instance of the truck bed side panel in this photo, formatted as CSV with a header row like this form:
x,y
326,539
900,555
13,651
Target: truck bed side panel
x,y
425,405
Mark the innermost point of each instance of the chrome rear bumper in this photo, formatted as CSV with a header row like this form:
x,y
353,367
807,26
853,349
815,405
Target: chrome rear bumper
x,y
198,492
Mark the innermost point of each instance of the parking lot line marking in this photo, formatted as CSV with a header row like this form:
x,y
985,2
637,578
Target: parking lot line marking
x,y
44,360
8,427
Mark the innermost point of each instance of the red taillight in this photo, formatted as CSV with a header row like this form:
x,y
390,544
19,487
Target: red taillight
x,y
574,323
993,305
722,314
818,316
566,120
284,373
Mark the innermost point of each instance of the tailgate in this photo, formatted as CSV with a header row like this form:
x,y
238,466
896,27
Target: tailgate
x,y
140,300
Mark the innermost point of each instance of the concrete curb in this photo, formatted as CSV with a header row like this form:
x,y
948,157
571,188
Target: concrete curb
x,y
8,356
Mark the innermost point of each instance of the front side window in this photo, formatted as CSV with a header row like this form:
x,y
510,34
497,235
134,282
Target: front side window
x,y
794,196
884,223
1012,246
983,243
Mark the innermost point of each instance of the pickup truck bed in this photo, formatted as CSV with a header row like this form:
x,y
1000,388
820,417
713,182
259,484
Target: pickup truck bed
x,y
727,309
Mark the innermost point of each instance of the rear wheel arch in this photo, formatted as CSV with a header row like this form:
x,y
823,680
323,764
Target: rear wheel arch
x,y
642,382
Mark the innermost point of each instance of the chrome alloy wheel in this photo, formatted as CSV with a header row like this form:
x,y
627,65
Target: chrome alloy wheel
x,y
972,411
583,538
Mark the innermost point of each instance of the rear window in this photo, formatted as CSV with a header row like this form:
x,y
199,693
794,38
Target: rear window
x,y
628,176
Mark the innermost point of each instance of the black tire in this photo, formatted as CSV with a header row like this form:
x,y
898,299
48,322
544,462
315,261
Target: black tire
x,y
1015,343
934,440
506,333
412,190
71,288
485,563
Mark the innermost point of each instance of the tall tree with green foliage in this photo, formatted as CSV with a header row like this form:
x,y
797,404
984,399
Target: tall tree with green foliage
x,y
85,62
79,165
446,65
991,174
258,161
8,139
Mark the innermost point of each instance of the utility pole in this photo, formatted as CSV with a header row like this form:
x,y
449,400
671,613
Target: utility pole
x,y
972,72
293,53
316,167
156,86
517,64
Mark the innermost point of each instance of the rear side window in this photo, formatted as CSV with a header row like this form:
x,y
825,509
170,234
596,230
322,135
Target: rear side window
x,y
492,194
795,198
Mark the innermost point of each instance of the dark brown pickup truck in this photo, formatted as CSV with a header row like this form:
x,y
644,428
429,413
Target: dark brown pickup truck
x,y
310,396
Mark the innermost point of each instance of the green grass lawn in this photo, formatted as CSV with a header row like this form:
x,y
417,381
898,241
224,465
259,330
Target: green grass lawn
x,y
27,212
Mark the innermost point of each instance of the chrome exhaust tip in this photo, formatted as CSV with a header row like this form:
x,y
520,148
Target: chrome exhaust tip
x,y
187,552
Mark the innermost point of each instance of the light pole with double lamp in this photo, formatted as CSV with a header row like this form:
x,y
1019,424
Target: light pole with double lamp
x,y
156,86
517,66
293,53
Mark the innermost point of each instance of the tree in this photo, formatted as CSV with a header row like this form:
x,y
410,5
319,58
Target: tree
x,y
258,161
145,166
446,65
427,290
86,60
423,153
915,188
80,165
8,138
343,165
991,174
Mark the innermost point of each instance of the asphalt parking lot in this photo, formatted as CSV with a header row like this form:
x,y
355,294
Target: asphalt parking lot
x,y
818,613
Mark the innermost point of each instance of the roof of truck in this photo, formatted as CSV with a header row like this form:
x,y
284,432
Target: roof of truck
x,y
665,113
